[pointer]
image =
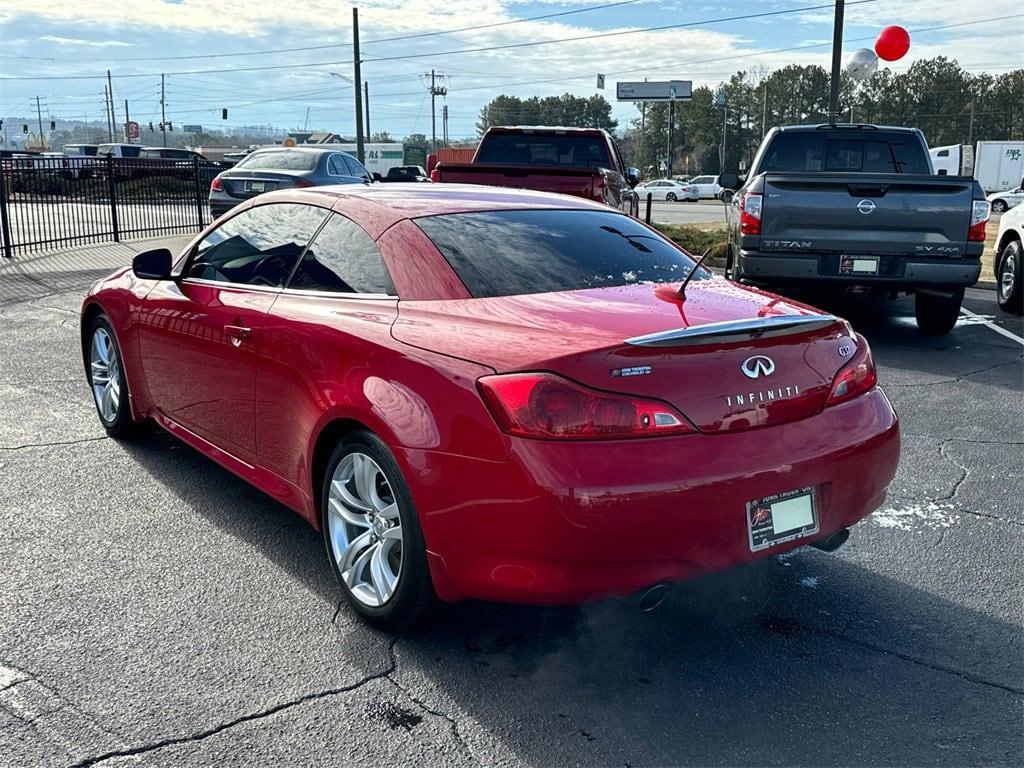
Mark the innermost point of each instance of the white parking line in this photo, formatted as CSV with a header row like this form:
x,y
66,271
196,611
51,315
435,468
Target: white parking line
x,y
997,328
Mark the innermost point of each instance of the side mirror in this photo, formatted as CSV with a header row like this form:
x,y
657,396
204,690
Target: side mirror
x,y
726,195
377,176
729,181
633,176
153,265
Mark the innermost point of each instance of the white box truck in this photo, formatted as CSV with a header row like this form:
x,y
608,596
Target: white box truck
x,y
997,165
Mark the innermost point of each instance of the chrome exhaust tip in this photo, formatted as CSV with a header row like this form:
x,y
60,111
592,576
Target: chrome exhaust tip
x,y
651,598
833,542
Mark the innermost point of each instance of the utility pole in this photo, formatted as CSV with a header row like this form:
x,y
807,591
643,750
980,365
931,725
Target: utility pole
x,y
764,111
671,126
126,121
837,55
106,112
725,130
366,98
39,114
970,126
163,114
433,113
360,153
113,114
444,123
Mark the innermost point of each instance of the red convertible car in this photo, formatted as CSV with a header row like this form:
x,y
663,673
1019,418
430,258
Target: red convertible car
x,y
492,393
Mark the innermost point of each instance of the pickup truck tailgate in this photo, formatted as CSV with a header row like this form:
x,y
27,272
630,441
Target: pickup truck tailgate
x,y
879,214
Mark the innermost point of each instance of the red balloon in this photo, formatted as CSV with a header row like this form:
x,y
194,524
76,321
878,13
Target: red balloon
x,y
892,43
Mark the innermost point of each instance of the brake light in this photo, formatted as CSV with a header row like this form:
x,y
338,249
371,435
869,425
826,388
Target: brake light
x,y
435,175
215,185
856,377
750,214
543,405
301,183
979,218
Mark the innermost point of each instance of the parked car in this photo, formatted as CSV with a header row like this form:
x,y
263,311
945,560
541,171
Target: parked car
x,y
405,173
707,187
1009,261
839,207
583,162
182,164
266,170
1004,201
482,393
666,189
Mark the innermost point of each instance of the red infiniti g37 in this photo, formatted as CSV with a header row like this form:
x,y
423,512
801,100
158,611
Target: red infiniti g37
x,y
491,393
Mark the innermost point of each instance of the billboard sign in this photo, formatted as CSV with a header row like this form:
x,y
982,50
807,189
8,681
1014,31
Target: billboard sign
x,y
192,128
131,130
654,90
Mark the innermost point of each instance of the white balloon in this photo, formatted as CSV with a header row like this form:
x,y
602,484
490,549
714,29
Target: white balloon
x,y
862,64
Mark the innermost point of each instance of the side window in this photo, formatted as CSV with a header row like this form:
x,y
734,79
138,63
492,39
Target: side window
x,y
342,259
257,247
355,167
943,153
336,166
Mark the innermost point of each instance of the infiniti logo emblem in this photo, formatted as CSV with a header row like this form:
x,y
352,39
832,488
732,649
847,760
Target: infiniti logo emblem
x,y
866,206
758,365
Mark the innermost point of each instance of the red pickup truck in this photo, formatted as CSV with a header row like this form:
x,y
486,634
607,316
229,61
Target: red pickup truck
x,y
574,161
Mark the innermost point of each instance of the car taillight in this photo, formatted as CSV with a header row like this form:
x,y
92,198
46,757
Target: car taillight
x,y
435,175
215,185
979,218
302,183
543,405
856,377
750,214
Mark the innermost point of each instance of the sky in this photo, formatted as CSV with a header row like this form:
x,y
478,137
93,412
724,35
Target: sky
x,y
221,53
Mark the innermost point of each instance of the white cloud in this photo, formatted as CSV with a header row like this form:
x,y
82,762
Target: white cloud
x,y
86,43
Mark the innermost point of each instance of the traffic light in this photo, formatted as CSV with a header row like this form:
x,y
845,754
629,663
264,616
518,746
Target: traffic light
x,y
170,126
53,125
150,126
24,127
224,113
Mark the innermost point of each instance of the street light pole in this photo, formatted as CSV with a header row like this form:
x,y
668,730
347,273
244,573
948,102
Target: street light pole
x,y
837,55
358,86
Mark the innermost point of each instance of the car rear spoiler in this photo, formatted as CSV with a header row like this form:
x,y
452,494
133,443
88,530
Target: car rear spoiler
x,y
730,330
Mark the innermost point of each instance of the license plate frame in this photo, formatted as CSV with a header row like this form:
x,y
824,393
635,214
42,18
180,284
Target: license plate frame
x,y
796,520
255,186
858,265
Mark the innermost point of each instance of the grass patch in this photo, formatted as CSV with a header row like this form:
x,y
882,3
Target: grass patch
x,y
698,238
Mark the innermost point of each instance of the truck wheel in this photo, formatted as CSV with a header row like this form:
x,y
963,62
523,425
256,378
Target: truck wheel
x,y
998,206
1009,291
936,315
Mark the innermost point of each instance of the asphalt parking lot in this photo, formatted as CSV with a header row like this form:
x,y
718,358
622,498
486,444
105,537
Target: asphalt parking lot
x,y
153,608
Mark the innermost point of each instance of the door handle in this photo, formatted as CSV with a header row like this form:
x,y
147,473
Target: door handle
x,y
237,333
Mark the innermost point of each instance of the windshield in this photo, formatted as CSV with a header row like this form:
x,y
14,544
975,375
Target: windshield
x,y
849,151
543,149
282,160
508,253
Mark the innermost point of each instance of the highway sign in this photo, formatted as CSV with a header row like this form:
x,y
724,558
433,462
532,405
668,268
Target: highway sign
x,y
654,90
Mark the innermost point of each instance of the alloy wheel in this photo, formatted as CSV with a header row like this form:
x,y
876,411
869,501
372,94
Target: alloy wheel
x,y
105,371
365,529
1007,275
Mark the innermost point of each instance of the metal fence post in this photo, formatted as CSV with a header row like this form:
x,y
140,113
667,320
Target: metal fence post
x,y
5,222
112,191
199,193
647,216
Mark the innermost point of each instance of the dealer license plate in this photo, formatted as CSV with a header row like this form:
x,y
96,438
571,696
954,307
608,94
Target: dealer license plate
x,y
858,265
255,186
780,518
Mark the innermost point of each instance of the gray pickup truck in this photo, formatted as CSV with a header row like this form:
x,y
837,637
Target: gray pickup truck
x,y
856,208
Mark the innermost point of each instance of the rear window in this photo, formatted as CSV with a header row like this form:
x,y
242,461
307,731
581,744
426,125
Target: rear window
x,y
509,253
89,150
530,149
863,151
285,160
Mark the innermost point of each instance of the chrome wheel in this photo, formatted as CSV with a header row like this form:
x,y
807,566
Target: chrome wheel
x,y
365,530
1007,274
105,375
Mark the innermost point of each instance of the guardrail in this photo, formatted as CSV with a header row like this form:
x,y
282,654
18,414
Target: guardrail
x,y
48,203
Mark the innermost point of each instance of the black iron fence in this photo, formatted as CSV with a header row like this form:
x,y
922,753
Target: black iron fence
x,y
54,202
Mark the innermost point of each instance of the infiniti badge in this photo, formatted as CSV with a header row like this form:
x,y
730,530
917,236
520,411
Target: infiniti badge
x,y
866,206
758,365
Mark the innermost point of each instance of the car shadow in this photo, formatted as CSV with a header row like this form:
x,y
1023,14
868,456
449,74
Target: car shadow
x,y
809,659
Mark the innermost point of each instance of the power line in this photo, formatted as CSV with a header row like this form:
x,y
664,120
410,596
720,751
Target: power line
x,y
508,46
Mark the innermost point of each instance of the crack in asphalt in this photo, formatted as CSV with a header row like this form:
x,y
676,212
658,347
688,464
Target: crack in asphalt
x,y
964,473
456,732
965,440
248,718
959,378
54,444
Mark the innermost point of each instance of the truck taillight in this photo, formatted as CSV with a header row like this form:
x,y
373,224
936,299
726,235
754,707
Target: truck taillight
x,y
435,175
979,219
750,214
856,377
546,406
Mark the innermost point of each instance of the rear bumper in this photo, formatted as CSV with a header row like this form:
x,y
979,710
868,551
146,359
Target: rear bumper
x,y
895,271
569,522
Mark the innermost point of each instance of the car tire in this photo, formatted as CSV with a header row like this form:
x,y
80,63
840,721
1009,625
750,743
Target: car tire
x,y
104,370
936,315
1009,291
671,197
370,511
999,206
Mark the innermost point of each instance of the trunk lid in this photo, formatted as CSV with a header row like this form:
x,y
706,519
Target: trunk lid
x,y
597,338
874,214
245,184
